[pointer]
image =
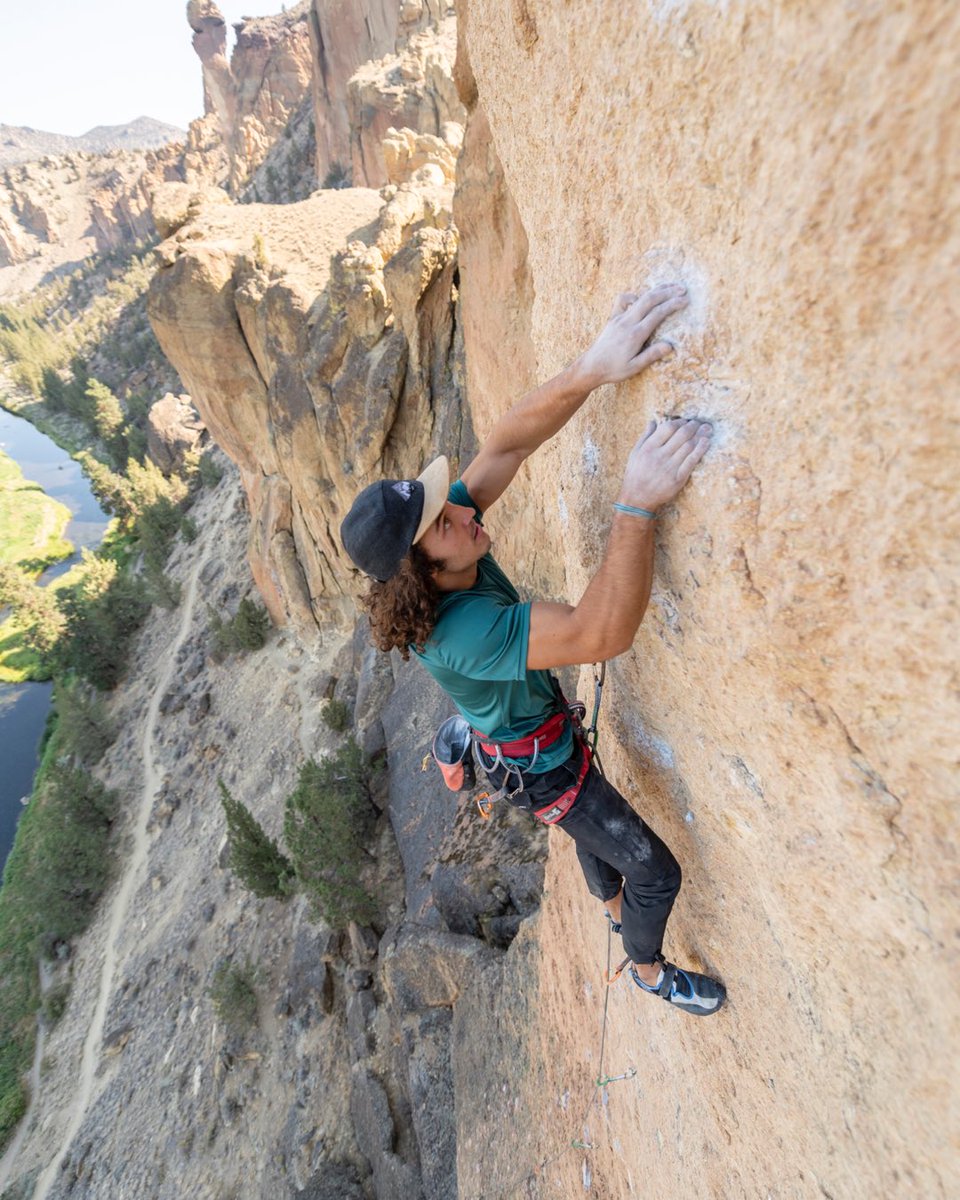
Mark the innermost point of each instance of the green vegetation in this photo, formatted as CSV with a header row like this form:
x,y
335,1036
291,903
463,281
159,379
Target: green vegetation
x,y
337,177
101,305
81,718
55,1002
247,630
77,346
254,856
67,823
86,620
329,818
31,522
210,471
337,716
234,995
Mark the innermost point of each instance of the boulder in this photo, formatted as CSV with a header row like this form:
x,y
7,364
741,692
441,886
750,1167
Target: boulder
x,y
427,968
174,429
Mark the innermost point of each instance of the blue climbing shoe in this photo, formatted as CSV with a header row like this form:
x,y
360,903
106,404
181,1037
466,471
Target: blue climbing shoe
x,y
696,994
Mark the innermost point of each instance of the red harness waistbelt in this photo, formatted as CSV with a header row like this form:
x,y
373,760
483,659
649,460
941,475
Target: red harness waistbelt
x,y
545,735
561,806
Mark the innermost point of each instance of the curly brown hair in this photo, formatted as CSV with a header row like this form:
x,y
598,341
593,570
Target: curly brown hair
x,y
403,610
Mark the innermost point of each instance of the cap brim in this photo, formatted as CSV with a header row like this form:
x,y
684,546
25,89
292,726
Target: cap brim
x,y
436,485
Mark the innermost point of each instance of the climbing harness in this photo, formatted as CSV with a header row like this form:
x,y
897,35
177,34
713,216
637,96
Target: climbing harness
x,y
540,739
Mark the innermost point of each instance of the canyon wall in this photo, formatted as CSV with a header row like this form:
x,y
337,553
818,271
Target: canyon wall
x,y
253,95
787,718
57,211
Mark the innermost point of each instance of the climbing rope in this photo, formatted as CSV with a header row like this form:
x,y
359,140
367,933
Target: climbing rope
x,y
589,735
600,1083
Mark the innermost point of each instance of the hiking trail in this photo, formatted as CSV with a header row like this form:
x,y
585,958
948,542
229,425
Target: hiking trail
x,y
119,908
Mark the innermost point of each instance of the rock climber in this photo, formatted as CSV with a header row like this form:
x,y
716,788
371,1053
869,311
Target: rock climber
x,y
437,591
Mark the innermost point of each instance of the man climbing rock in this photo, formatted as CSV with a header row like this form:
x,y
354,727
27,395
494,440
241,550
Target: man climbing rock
x,y
438,592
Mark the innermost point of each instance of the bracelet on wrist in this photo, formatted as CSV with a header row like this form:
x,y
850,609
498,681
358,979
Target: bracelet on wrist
x,y
631,511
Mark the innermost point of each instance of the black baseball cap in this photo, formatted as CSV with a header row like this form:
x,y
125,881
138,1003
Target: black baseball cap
x,y
390,516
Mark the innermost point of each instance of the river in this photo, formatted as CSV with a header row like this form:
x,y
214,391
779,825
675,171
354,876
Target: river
x,y
24,706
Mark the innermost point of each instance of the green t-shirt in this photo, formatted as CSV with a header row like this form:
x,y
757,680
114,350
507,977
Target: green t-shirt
x,y
477,652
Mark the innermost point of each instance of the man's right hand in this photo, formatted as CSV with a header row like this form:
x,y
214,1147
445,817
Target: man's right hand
x,y
663,460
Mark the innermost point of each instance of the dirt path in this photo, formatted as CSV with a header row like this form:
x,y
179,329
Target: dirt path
x,y
133,870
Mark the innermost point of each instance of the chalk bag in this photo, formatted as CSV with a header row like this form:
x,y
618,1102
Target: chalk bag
x,y
451,752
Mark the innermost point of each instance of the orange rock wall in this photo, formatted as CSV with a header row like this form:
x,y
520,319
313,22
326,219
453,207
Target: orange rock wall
x,y
787,718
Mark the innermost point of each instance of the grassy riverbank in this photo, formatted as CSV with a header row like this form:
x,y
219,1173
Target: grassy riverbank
x,y
31,537
68,822
32,524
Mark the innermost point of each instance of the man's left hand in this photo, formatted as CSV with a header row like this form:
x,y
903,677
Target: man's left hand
x,y
624,348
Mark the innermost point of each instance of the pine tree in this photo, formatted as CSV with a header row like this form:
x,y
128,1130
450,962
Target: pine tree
x,y
328,818
255,857
105,410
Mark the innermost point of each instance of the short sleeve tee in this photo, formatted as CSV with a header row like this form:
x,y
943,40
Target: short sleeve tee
x,y
477,652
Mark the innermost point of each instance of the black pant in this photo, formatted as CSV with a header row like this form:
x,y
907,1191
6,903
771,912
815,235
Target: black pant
x,y
615,848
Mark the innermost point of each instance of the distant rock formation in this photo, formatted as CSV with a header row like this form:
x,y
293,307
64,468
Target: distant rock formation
x,y
21,144
367,66
59,210
332,315
254,95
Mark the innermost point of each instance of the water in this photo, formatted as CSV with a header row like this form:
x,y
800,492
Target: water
x,y
42,461
23,714
24,706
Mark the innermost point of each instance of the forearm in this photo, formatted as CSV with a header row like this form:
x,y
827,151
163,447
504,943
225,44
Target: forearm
x,y
540,414
605,621
616,599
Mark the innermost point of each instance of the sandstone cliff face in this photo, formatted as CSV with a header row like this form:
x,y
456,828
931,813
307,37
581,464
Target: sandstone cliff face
x,y
255,93
316,341
379,65
411,89
344,36
786,718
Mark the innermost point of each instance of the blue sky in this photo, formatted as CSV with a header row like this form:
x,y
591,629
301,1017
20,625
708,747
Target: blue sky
x,y
67,66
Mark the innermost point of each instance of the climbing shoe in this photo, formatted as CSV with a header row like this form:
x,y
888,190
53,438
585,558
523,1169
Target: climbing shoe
x,y
696,994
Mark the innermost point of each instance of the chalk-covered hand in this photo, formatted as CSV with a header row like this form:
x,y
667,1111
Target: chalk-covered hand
x,y
663,460
622,349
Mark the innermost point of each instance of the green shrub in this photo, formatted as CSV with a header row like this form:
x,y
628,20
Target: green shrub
x,y
234,995
210,471
245,631
338,176
84,727
189,530
13,1104
328,819
162,591
54,389
101,621
73,844
55,1002
337,716
254,856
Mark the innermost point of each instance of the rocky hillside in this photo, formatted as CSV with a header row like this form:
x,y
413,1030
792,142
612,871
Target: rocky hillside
x,y
20,144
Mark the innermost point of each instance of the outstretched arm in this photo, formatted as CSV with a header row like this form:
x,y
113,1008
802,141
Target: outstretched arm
x,y
606,620
620,352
